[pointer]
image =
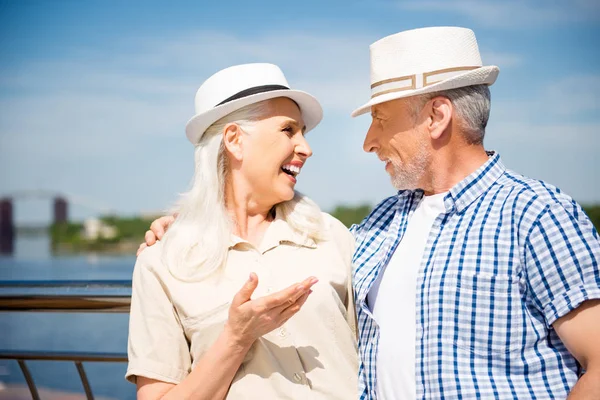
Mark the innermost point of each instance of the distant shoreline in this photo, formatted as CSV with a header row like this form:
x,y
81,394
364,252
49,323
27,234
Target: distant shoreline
x,y
120,248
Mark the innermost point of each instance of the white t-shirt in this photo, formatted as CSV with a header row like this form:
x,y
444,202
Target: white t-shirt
x,y
392,300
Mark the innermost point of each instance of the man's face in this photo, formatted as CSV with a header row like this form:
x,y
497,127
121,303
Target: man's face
x,y
399,141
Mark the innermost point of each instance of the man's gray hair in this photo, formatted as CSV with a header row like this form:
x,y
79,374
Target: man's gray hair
x,y
471,105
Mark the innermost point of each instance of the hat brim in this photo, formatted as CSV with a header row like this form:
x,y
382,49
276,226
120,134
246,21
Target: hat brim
x,y
481,76
311,110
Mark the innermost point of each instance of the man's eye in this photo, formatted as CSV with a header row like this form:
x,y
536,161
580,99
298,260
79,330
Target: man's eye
x,y
288,130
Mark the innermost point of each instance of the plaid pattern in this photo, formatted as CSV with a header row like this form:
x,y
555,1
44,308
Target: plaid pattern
x,y
509,257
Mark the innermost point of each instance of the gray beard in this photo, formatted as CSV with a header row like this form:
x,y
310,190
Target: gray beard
x,y
408,176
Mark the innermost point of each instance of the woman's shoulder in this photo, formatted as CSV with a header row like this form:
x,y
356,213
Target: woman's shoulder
x,y
334,225
151,258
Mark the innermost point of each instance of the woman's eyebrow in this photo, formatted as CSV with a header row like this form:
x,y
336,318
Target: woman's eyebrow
x,y
293,122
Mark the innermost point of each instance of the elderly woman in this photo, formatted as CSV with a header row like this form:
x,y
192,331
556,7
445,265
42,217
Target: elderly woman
x,y
248,295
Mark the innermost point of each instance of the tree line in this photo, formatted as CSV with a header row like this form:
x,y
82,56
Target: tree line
x,y
355,214
68,236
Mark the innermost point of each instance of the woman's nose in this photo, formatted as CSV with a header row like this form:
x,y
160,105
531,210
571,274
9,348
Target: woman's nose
x,y
303,147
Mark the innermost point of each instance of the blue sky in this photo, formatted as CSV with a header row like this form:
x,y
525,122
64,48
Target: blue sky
x,y
94,95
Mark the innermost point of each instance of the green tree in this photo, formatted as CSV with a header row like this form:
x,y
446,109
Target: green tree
x,y
593,211
351,214
355,214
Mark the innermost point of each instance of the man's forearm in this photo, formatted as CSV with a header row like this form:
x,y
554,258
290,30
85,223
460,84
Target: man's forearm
x,y
588,386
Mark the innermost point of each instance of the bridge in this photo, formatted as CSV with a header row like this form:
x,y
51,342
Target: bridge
x,y
60,203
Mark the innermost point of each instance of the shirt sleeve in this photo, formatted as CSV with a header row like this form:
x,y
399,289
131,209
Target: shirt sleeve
x,y
562,254
157,347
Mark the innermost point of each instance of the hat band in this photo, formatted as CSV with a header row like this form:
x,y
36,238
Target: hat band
x,y
416,81
253,90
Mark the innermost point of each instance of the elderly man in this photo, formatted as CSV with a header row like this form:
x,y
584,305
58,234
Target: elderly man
x,y
472,281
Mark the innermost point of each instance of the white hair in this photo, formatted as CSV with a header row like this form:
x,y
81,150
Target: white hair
x,y
471,105
196,245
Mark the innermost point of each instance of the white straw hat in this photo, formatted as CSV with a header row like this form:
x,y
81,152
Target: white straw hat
x,y
235,87
425,60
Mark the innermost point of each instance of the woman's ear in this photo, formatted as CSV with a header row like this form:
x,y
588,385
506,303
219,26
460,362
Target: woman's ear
x,y
232,139
440,116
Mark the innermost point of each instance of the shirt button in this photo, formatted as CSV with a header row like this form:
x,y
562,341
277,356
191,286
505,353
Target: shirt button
x,y
297,377
269,289
282,332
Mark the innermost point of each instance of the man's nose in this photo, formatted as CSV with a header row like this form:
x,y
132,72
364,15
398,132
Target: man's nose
x,y
370,144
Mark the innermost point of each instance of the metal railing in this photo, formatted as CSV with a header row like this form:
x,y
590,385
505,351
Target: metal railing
x,y
100,296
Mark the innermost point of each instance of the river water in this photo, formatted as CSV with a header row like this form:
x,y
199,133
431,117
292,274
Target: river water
x,y
65,331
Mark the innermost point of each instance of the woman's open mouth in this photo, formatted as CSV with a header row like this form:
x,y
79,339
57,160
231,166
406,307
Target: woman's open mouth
x,y
291,170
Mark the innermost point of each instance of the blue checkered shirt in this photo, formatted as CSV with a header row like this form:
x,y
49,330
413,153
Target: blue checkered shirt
x,y
509,257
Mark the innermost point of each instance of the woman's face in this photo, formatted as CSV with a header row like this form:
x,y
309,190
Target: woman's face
x,y
273,152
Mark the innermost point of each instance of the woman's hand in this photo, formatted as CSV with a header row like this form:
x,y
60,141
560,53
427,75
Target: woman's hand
x,y
250,319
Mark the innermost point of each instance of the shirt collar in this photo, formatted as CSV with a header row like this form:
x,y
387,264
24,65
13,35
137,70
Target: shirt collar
x,y
473,186
278,232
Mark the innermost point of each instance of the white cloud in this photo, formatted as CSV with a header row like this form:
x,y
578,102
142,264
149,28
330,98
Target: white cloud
x,y
553,135
564,155
512,13
158,82
574,95
502,60
566,99
110,125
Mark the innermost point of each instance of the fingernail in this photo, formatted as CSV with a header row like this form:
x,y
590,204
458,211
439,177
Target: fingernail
x,y
299,288
313,281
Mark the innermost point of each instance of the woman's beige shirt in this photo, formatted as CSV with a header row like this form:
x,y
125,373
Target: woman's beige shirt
x,y
312,356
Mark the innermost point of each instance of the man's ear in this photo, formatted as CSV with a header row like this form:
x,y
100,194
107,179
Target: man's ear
x,y
440,116
232,139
